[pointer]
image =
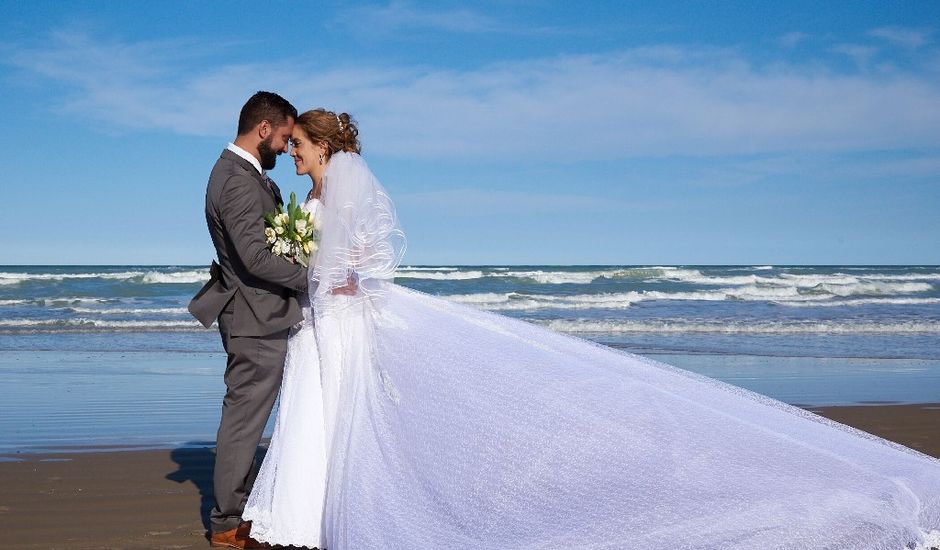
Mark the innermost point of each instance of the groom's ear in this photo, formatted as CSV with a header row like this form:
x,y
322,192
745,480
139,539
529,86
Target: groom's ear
x,y
264,129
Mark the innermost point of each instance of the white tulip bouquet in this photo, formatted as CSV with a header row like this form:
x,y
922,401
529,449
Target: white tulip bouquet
x,y
292,233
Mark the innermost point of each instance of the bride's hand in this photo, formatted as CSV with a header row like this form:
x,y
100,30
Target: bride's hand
x,y
350,289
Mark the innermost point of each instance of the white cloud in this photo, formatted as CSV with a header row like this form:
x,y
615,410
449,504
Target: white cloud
x,y
784,169
791,39
911,38
136,85
640,102
860,54
404,15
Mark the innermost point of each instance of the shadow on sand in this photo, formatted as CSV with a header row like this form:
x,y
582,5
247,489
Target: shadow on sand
x,y
195,461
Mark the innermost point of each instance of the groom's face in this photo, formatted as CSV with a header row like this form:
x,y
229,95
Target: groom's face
x,y
275,144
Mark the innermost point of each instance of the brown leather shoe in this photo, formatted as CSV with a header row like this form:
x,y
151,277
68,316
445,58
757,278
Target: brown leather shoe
x,y
237,538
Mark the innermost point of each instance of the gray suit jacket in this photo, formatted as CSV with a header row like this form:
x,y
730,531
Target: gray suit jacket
x,y
263,286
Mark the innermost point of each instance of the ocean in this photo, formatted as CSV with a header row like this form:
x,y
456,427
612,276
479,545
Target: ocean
x,y
108,355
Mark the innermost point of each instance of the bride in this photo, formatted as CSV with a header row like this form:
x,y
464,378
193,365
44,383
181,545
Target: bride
x,y
407,421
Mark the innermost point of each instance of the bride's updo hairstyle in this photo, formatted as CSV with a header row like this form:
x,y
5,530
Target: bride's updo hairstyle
x,y
337,131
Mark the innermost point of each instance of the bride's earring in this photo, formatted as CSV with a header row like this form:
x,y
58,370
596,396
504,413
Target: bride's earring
x,y
321,159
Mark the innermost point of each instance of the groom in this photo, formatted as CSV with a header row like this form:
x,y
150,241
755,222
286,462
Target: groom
x,y
252,295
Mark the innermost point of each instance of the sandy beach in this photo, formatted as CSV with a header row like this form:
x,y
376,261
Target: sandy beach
x,y
160,498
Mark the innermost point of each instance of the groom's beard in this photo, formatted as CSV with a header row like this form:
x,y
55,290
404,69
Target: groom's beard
x,y
268,154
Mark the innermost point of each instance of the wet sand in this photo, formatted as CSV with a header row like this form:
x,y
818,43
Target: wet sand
x,y
160,498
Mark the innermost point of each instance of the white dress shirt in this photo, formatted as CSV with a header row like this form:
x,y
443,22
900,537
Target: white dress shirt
x,y
246,155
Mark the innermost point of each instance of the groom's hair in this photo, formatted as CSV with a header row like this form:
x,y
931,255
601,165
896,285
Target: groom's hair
x,y
265,106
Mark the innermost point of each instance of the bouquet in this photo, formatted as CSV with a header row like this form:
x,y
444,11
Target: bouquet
x,y
292,233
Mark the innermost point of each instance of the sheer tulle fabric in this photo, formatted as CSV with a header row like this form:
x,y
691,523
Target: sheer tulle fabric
x,y
360,235
457,428
447,427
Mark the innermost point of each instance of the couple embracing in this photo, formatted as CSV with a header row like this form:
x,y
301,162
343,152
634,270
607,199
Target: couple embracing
x,y
264,305
407,421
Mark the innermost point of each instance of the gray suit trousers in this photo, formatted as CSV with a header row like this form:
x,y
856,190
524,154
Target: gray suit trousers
x,y
252,377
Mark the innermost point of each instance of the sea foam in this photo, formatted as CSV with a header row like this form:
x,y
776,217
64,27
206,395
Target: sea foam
x,y
176,277
185,277
440,275
763,327
82,323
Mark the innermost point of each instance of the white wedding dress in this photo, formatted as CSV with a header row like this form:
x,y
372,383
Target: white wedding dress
x,y
446,427
286,501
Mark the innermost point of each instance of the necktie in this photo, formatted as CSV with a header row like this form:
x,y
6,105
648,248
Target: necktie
x,y
272,188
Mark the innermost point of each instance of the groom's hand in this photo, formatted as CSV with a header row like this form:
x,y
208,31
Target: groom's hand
x,y
350,289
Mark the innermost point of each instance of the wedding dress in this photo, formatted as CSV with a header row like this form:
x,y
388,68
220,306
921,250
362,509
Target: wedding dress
x,y
286,500
447,427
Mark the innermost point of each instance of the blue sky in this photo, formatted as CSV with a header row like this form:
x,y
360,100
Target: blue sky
x,y
507,132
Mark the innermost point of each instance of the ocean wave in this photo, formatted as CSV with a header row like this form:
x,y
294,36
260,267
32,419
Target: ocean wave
x,y
481,298
439,275
821,295
555,277
587,277
64,301
870,288
902,276
895,282
861,302
516,301
15,278
130,311
153,276
855,283
176,277
547,276
765,327
804,280
74,300
709,280
97,324
757,293
783,279
837,284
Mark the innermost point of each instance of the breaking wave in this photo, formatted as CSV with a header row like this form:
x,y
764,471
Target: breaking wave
x,y
763,327
146,277
788,296
79,324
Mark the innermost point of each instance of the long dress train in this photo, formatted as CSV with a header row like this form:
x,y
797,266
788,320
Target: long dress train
x,y
447,427
466,429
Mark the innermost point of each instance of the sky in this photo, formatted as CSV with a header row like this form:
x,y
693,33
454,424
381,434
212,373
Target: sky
x,y
511,132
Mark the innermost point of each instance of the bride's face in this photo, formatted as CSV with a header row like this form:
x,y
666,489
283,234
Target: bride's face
x,y
305,152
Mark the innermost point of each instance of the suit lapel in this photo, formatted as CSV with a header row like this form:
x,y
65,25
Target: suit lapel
x,y
273,191
277,192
